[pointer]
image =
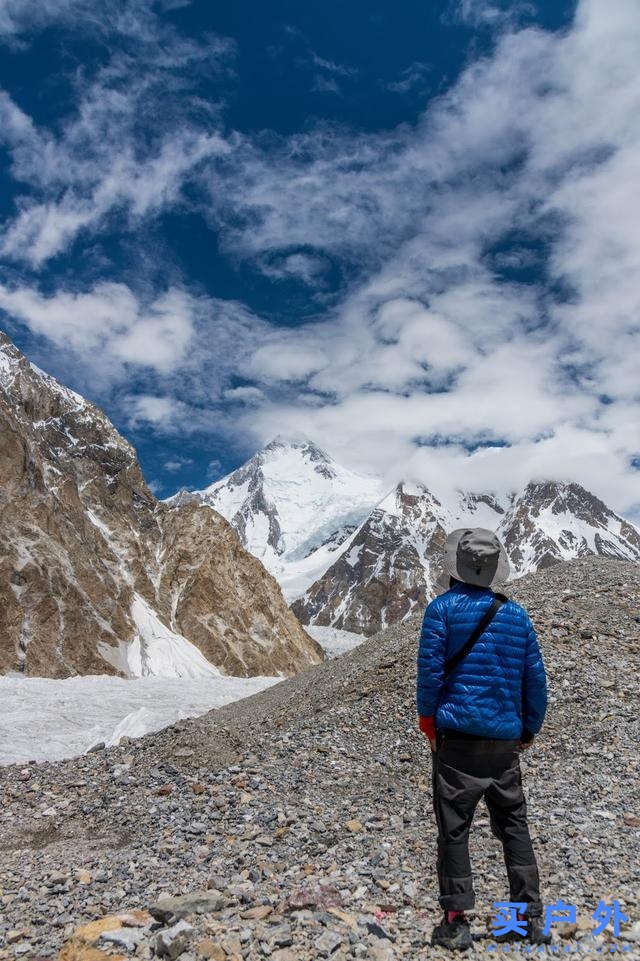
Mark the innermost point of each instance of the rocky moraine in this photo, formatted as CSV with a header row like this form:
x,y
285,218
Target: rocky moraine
x,y
297,824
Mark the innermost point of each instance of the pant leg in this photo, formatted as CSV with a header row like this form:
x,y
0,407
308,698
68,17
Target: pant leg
x,y
456,793
508,814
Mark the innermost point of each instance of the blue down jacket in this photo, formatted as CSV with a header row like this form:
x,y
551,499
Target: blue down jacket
x,y
499,690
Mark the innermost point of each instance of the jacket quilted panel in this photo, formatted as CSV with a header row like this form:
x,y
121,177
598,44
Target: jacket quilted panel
x,y
499,690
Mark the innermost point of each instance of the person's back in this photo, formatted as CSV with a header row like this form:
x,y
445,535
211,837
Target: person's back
x,y
481,698
500,690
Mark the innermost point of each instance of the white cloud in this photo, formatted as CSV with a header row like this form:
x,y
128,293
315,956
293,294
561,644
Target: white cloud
x,y
411,77
154,410
98,162
308,268
538,139
322,84
214,468
330,66
246,395
108,326
484,13
175,464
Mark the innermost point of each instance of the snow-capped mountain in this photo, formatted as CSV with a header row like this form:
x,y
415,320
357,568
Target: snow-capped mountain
x,y
98,577
552,521
388,569
355,558
293,507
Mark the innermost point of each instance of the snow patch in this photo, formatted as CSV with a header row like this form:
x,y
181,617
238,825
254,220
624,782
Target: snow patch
x,y
333,641
156,651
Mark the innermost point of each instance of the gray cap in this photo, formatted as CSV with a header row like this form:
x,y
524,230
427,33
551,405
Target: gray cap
x,y
476,556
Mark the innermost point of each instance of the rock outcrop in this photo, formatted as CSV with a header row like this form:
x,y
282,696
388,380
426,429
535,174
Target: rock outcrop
x,y
97,576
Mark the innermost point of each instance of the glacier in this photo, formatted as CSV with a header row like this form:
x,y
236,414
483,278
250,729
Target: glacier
x,y
48,720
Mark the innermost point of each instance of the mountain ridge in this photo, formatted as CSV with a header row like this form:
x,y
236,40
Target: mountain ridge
x,y
381,563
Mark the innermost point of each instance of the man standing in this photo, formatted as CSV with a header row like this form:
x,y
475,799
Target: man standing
x,y
482,696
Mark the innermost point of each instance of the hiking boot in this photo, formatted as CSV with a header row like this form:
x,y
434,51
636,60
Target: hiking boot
x,y
534,933
454,935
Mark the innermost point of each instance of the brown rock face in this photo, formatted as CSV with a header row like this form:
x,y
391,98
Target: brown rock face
x,y
82,537
227,603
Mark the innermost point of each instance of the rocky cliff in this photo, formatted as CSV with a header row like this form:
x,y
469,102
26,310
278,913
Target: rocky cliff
x,y
97,576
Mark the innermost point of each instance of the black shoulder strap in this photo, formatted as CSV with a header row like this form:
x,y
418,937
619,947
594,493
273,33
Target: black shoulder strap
x,y
494,607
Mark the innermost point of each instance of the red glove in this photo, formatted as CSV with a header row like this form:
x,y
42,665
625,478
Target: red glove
x,y
428,726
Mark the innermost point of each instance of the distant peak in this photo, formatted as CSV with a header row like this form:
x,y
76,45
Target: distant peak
x,y
8,347
297,442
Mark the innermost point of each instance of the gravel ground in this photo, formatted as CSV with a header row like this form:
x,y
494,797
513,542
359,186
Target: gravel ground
x,y
305,813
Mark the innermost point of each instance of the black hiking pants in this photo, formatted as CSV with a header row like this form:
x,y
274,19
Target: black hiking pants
x,y
466,769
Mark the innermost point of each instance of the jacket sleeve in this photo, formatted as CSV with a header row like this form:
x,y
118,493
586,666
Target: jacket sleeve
x,y
534,686
431,658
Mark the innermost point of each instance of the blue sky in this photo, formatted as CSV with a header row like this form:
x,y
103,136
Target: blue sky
x,y
406,230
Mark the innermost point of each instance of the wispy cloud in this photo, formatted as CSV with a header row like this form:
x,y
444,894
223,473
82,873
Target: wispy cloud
x,y
440,331
108,327
101,159
176,464
435,337
491,13
330,66
411,77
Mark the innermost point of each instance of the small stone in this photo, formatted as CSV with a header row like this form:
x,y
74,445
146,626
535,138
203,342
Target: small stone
x,y
264,840
135,919
632,820
327,943
198,902
196,827
210,949
83,877
232,947
317,896
125,938
281,935
257,913
377,930
343,916
198,788
380,951
15,935
171,942
23,947
353,826
631,933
